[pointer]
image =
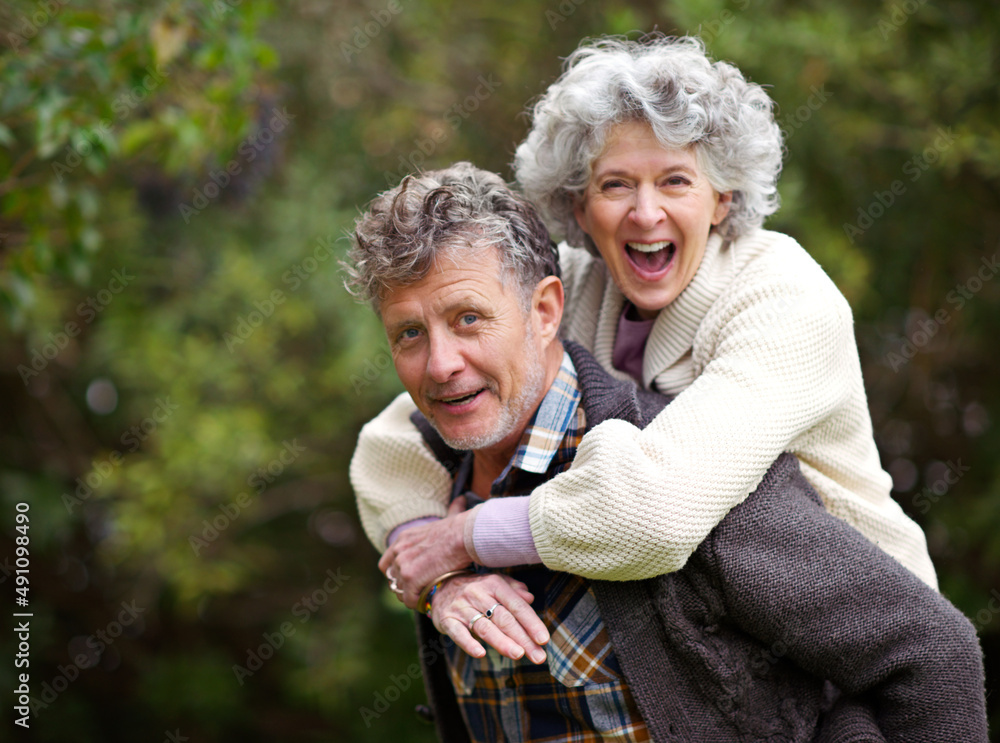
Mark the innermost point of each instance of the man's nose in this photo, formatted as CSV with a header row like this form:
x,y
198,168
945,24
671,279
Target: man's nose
x,y
445,359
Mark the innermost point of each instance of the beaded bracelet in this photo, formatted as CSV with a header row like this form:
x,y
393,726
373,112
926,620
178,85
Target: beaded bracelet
x,y
426,607
427,595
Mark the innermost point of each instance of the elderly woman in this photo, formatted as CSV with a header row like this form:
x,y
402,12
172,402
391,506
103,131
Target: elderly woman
x,y
659,167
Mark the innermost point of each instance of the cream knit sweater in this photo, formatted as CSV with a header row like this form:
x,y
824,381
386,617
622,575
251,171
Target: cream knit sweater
x,y
759,350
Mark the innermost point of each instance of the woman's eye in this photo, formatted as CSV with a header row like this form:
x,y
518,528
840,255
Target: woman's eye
x,y
612,185
678,180
409,334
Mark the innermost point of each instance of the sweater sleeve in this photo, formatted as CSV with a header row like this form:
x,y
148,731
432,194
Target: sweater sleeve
x,y
778,357
395,476
820,595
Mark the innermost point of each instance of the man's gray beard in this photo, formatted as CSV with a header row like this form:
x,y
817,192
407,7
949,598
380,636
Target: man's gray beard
x,y
519,408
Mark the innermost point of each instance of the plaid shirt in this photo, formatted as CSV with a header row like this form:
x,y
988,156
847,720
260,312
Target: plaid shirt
x,y
579,694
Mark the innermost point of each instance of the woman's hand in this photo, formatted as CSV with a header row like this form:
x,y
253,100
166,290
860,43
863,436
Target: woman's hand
x,y
512,628
421,554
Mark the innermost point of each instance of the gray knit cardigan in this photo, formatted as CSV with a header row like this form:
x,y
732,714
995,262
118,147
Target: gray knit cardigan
x,y
780,600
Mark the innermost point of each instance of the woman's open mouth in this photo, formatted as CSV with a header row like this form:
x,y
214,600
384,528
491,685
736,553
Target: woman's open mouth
x,y
651,257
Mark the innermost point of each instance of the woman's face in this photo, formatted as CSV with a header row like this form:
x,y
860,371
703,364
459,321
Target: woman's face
x,y
649,210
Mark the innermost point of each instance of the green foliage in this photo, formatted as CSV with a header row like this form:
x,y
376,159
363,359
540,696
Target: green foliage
x,y
96,97
184,376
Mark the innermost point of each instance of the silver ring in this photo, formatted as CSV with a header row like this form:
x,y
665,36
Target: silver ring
x,y
393,585
479,615
489,612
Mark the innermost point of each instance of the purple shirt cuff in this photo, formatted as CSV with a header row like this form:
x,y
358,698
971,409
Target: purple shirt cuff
x,y
502,533
403,527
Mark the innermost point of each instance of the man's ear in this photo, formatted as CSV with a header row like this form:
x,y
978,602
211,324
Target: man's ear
x,y
547,308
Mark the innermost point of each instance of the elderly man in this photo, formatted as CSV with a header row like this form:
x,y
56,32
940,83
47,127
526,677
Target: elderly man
x,y
741,644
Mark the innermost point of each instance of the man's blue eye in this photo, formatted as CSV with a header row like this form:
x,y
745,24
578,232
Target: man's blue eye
x,y
409,333
468,319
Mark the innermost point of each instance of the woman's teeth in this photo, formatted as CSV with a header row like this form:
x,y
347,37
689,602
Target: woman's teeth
x,y
652,256
649,248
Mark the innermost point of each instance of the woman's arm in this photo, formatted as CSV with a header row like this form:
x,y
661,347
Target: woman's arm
x,y
778,358
395,476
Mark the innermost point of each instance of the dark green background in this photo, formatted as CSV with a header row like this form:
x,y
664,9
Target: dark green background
x,y
249,419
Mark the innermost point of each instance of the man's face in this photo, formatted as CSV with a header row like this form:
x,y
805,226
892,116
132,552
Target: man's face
x,y
465,351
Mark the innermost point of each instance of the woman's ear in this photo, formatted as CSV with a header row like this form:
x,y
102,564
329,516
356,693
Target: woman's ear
x,y
722,207
547,303
580,212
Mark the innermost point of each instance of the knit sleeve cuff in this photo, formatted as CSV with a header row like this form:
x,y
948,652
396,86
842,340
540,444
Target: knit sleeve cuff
x,y
502,533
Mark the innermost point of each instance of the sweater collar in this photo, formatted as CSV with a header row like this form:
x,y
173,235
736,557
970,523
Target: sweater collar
x,y
675,327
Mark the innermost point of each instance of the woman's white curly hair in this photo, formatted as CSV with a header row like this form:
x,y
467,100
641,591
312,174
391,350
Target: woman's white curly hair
x,y
689,101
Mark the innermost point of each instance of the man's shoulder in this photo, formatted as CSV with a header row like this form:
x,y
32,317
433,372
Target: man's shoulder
x,y
782,519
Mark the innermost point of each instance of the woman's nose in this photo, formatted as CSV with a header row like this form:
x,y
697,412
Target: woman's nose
x,y
647,211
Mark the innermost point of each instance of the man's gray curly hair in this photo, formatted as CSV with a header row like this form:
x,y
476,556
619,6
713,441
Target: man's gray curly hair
x,y
460,208
689,101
